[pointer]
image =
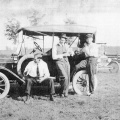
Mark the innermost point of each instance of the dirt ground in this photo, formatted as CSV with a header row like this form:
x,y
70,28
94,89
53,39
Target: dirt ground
x,y
104,104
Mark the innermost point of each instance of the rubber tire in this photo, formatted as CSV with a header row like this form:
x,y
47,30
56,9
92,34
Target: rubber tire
x,y
74,81
115,66
25,57
7,85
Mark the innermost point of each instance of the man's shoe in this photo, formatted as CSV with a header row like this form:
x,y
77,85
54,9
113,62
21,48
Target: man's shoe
x,y
51,98
28,101
62,95
65,95
27,97
88,93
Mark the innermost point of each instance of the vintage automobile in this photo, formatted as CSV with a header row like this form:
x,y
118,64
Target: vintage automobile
x,y
12,67
107,62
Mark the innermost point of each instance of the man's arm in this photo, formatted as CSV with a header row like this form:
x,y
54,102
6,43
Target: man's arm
x,y
86,51
55,56
27,68
69,50
46,73
94,50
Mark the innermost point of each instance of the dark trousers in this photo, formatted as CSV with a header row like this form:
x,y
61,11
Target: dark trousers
x,y
90,64
91,69
63,68
30,81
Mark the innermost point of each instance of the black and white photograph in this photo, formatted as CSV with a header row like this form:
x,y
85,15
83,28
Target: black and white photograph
x,y
59,59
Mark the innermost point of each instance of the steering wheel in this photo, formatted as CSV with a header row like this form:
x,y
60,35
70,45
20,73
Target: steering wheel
x,y
37,46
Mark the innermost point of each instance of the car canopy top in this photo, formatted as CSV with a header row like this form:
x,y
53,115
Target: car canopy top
x,y
57,29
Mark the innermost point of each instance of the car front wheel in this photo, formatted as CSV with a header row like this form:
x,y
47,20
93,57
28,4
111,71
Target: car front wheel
x,y
115,67
81,82
4,85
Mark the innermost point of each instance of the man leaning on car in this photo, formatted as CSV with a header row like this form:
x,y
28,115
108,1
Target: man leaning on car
x,y
90,50
60,53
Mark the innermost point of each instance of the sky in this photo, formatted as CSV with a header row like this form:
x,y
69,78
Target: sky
x,y
102,14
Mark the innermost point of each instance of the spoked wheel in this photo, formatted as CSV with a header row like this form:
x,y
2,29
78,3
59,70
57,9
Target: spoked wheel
x,y
4,85
81,82
114,67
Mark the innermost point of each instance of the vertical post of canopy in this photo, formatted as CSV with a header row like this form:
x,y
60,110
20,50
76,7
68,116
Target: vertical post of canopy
x,y
43,44
53,40
20,41
94,37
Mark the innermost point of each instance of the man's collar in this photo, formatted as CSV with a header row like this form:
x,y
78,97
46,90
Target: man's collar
x,y
39,61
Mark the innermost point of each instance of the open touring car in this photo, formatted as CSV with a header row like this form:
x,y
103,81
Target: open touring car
x,y
41,37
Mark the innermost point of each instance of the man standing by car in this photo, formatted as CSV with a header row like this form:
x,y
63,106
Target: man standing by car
x,y
60,53
90,50
37,71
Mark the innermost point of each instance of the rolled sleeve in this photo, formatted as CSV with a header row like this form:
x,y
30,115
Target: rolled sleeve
x,y
27,68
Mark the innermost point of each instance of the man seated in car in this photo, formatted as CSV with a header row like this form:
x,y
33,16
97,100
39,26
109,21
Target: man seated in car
x,y
37,71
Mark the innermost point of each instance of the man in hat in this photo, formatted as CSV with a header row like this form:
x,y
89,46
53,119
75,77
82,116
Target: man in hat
x,y
37,71
60,53
90,50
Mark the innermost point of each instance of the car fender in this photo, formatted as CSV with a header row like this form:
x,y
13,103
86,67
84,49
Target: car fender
x,y
9,71
25,57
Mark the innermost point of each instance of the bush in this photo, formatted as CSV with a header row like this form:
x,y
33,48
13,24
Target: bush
x,y
11,28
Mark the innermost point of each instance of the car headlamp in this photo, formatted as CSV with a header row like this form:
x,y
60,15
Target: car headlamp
x,y
109,60
98,60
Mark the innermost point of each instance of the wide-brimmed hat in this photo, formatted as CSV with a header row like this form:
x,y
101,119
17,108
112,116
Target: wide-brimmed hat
x,y
63,35
89,36
38,55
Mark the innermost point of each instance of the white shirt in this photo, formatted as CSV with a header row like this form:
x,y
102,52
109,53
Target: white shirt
x,y
91,50
55,56
31,69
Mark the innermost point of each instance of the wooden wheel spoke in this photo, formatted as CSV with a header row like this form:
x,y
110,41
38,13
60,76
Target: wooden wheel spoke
x,y
1,81
80,79
81,83
2,85
83,89
1,89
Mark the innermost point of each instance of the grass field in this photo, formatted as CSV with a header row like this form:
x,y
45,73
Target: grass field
x,y
104,104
